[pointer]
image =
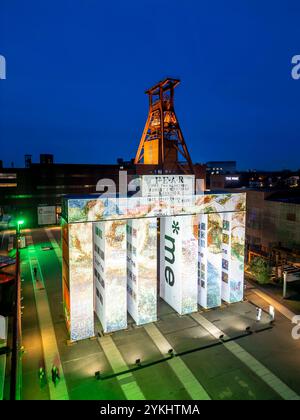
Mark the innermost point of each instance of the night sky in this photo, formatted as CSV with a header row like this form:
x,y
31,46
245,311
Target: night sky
x,y
77,71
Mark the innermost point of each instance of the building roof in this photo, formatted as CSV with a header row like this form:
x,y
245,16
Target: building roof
x,y
291,197
290,200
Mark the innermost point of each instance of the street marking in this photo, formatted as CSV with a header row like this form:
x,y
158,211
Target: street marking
x,y
258,368
127,381
51,353
191,384
278,306
129,386
183,373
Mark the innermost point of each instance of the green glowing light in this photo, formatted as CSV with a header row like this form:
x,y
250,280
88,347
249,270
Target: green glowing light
x,y
20,222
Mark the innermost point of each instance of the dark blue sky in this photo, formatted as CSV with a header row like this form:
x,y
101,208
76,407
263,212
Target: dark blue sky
x,y
77,71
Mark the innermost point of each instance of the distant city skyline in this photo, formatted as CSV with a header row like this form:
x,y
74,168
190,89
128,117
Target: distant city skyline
x,y
36,159
79,94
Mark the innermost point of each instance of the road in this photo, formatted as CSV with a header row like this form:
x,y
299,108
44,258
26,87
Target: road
x,y
262,365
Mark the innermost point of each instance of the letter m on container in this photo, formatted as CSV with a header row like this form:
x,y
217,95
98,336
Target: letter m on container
x,y
170,258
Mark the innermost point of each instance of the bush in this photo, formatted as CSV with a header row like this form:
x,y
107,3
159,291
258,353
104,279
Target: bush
x,y
260,269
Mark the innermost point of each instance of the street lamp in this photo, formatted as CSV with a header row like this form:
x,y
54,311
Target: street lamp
x,y
171,352
19,223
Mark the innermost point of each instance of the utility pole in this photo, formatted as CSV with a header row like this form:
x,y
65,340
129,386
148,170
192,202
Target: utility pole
x,y
284,284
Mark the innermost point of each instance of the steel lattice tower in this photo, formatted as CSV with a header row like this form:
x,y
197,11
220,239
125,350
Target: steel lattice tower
x,y
162,143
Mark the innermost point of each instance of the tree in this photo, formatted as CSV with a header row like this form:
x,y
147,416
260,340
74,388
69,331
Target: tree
x,y
260,270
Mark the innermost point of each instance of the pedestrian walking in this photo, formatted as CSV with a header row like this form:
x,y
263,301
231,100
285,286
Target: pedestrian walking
x,y
57,373
35,273
54,374
42,375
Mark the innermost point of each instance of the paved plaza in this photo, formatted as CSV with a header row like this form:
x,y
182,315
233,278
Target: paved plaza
x,y
214,356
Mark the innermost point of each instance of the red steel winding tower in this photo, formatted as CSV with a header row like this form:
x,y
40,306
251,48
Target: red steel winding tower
x,y
162,143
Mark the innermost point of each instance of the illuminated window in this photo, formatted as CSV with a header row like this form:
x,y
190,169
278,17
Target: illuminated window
x,y
8,176
7,185
224,277
63,187
225,225
225,238
224,264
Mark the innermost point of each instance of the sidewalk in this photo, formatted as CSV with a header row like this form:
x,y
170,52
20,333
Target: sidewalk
x,y
183,373
33,356
127,381
49,344
251,362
